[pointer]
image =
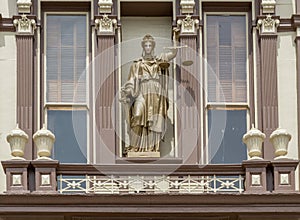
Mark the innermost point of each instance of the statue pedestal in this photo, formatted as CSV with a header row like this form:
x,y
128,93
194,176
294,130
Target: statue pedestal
x,y
143,154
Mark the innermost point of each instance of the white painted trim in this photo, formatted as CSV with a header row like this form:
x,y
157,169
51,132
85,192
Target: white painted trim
x,y
88,92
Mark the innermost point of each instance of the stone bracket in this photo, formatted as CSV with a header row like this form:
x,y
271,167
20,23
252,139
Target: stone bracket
x,y
105,6
24,6
268,6
187,6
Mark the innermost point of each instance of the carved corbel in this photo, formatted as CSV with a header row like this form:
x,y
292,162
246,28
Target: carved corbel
x,y
106,25
268,25
24,6
187,6
188,25
105,6
268,6
25,25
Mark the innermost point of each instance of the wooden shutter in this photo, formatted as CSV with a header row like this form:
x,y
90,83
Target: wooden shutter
x,y
226,57
66,58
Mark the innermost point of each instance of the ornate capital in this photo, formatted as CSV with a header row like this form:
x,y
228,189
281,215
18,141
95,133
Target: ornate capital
x,y
188,25
105,6
187,6
268,6
24,6
106,25
25,25
268,25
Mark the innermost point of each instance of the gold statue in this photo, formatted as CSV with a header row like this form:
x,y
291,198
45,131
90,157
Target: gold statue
x,y
146,99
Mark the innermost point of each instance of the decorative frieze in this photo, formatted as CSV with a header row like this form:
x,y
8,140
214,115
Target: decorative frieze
x,y
24,25
106,25
105,6
188,25
268,25
24,6
187,6
268,6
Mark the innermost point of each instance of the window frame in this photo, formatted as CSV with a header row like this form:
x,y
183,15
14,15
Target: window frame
x,y
69,106
209,105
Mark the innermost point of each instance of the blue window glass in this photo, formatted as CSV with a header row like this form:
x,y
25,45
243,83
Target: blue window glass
x,y
226,129
70,129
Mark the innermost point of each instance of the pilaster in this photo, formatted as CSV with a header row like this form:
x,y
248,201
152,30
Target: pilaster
x,y
105,83
267,26
188,120
25,27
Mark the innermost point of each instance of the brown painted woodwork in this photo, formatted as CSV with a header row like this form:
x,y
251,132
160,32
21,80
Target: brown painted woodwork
x,y
161,205
285,167
45,167
226,6
297,6
256,167
13,167
66,6
269,93
152,9
105,94
6,25
147,169
189,102
25,89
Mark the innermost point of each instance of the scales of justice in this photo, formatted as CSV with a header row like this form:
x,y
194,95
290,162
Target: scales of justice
x,y
145,99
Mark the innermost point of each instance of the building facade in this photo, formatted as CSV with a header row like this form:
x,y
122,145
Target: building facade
x,y
223,110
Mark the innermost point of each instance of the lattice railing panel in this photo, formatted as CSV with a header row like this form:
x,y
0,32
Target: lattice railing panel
x,y
188,184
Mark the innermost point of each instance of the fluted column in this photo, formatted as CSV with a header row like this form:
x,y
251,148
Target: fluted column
x,y
268,79
25,27
188,103
105,89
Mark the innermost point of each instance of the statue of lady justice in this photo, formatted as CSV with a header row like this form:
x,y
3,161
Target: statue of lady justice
x,y
146,100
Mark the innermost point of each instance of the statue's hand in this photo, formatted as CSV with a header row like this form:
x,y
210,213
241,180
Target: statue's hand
x,y
126,94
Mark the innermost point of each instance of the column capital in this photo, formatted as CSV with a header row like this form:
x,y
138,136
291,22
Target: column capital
x,y
106,25
188,25
268,24
24,25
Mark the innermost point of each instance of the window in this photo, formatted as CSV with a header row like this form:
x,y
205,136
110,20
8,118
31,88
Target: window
x,y
66,52
226,84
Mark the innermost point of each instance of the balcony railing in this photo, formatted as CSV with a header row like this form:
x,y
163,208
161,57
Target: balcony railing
x,y
48,176
151,179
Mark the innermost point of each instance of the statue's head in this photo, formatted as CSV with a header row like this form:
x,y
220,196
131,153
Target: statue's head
x,y
148,44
